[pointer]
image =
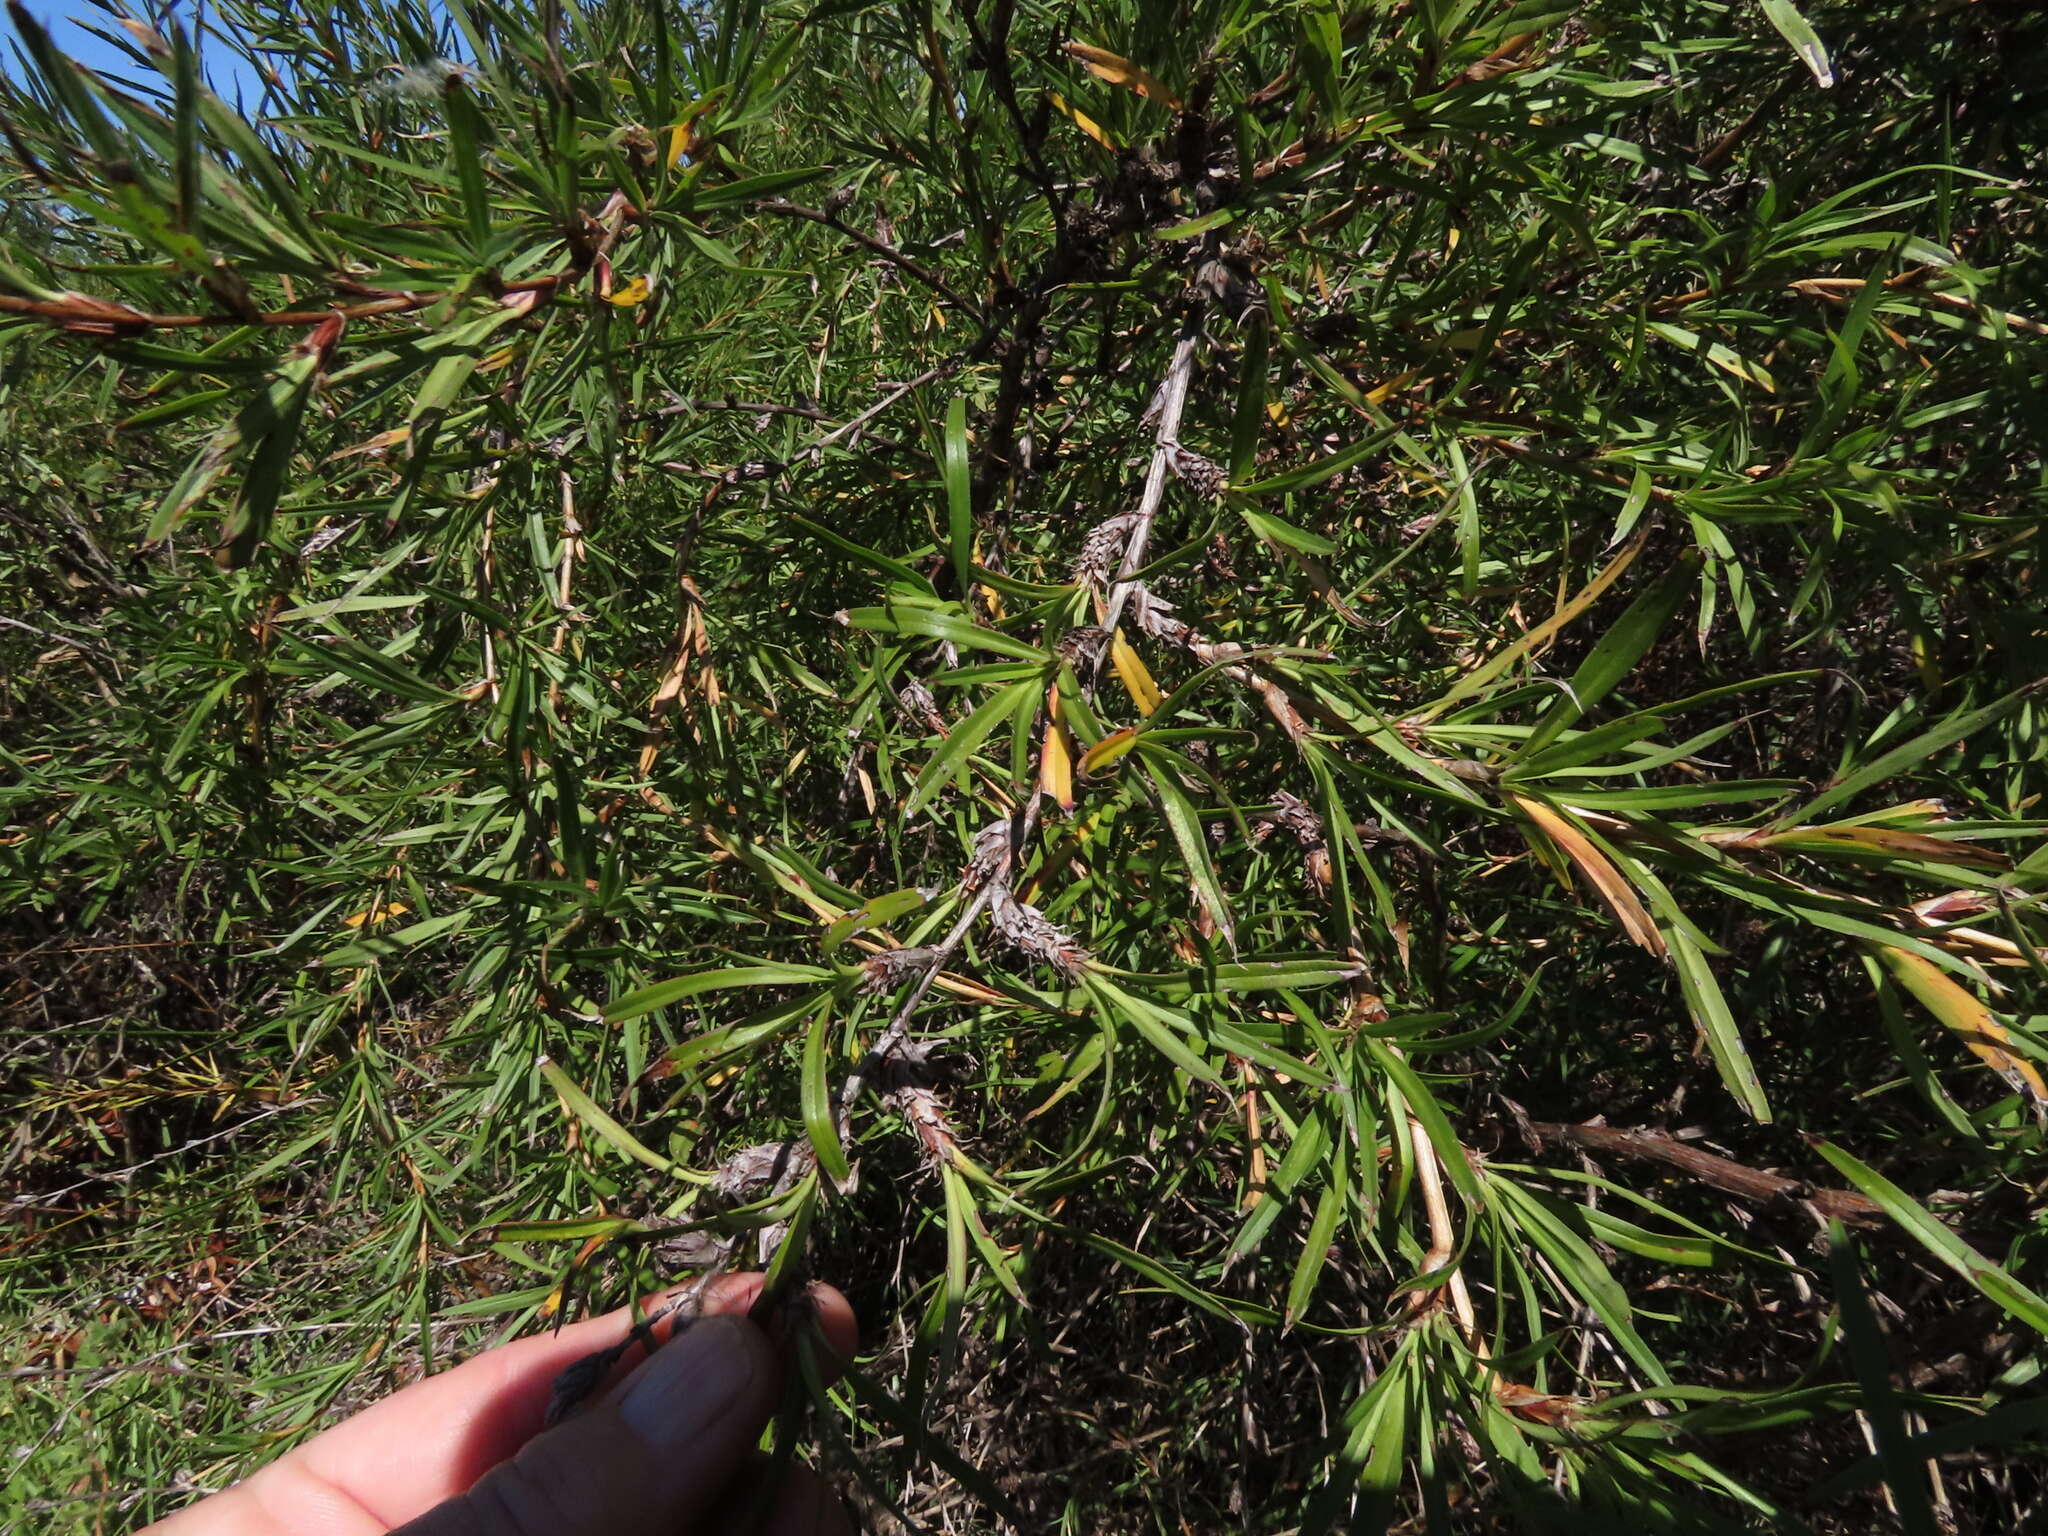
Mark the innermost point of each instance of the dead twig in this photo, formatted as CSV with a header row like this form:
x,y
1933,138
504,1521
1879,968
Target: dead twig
x,y
1173,399
1731,1178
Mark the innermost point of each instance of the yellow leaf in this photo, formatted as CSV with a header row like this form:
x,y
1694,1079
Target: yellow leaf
x,y
1962,1011
967,987
1381,393
989,595
377,444
632,293
1108,750
1056,756
1944,915
682,136
1117,70
383,912
1081,120
1137,679
1619,895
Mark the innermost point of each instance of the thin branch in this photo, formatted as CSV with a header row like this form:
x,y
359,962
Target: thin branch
x,y
71,642
1173,399
684,407
1731,1178
892,1038
103,317
908,265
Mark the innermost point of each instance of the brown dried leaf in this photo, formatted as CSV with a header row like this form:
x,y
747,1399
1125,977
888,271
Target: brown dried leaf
x,y
1619,895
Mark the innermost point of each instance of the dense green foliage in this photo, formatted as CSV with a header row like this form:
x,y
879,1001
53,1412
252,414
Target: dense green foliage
x,y
560,632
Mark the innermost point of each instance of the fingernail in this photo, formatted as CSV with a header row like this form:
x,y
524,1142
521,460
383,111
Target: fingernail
x,y
690,1383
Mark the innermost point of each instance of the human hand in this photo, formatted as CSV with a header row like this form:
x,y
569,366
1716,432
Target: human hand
x,y
666,1450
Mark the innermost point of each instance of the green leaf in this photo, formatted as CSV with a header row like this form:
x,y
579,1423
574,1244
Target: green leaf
x,y
426,175
663,993
959,498
1316,473
585,1109
936,624
576,1230
1610,661
1710,1011
1906,1479
1322,1227
1196,226
1795,29
965,739
465,149
819,1106
263,434
1248,422
1189,837
1158,1028
865,556
1285,534
1959,726
1423,1106
1996,1283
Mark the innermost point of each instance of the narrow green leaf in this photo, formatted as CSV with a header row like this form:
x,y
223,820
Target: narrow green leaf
x,y
1248,422
1315,1250
1710,1011
1797,31
663,993
937,624
1900,759
1423,1106
1285,534
1872,1361
818,1103
1189,837
1158,1028
585,1109
860,552
1993,1280
959,498
1617,653
961,743
465,149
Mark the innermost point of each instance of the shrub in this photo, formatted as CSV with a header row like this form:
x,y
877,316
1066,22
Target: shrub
x,y
1314,732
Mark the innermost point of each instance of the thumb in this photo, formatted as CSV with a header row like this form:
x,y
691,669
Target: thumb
x,y
647,1461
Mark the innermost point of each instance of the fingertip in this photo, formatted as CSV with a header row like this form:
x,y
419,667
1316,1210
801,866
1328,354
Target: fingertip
x,y
732,1293
836,1324
837,1327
